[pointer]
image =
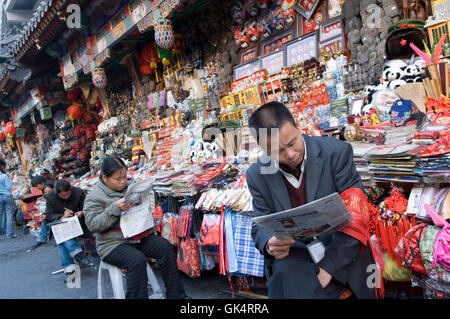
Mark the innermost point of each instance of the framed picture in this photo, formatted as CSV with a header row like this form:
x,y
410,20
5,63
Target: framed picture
x,y
306,7
333,8
249,55
302,49
331,29
314,23
356,106
276,43
338,41
273,62
241,71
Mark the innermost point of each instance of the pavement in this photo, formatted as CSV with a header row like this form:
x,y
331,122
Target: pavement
x,y
26,273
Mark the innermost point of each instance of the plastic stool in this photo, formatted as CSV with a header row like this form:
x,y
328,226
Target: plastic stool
x,y
115,274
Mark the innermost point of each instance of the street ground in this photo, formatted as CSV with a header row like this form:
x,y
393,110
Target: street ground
x,y
27,274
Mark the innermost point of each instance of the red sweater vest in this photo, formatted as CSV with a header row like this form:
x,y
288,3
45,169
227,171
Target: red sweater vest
x,y
296,195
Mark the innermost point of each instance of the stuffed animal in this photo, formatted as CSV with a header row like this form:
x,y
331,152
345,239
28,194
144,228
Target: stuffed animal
x,y
391,73
395,84
401,111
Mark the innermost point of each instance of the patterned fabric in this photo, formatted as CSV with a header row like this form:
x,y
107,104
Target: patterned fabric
x,y
356,203
188,259
250,260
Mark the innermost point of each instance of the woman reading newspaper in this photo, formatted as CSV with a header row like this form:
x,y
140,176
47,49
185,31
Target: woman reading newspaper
x,y
103,208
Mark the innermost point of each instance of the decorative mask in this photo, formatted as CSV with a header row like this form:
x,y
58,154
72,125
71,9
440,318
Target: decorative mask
x,y
253,30
251,7
277,18
262,4
241,37
238,12
265,26
289,16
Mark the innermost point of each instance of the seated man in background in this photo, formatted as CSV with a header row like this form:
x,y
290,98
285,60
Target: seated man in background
x,y
63,202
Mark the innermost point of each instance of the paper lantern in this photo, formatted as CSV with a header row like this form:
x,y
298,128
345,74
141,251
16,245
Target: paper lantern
x,y
74,94
2,136
99,78
75,112
164,36
10,129
145,68
150,55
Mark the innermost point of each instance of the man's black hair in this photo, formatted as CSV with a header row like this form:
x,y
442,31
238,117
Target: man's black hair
x,y
50,184
62,185
35,181
270,115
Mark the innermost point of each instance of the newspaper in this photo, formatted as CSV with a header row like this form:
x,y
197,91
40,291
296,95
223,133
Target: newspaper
x,y
139,217
66,229
320,217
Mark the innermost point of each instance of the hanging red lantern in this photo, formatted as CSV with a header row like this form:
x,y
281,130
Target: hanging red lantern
x,y
10,129
150,55
145,68
75,112
2,136
73,95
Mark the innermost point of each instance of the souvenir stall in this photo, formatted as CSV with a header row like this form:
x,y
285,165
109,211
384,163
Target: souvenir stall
x,y
175,106
406,175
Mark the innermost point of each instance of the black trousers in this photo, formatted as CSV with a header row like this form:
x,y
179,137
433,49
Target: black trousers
x,y
132,257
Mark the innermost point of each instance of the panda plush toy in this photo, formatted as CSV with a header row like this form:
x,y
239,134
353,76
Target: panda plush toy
x,y
393,71
396,83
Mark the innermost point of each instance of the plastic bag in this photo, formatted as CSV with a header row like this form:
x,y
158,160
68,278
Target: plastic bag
x,y
184,222
169,228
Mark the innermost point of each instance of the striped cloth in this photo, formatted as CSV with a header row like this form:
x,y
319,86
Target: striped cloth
x,y
250,261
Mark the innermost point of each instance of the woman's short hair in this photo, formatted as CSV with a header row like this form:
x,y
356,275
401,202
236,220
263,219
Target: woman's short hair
x,y
111,165
62,186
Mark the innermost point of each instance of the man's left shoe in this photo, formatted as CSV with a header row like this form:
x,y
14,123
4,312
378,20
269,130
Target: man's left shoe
x,y
81,260
12,237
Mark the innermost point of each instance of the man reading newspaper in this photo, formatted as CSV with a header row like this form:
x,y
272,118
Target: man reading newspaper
x,y
298,169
